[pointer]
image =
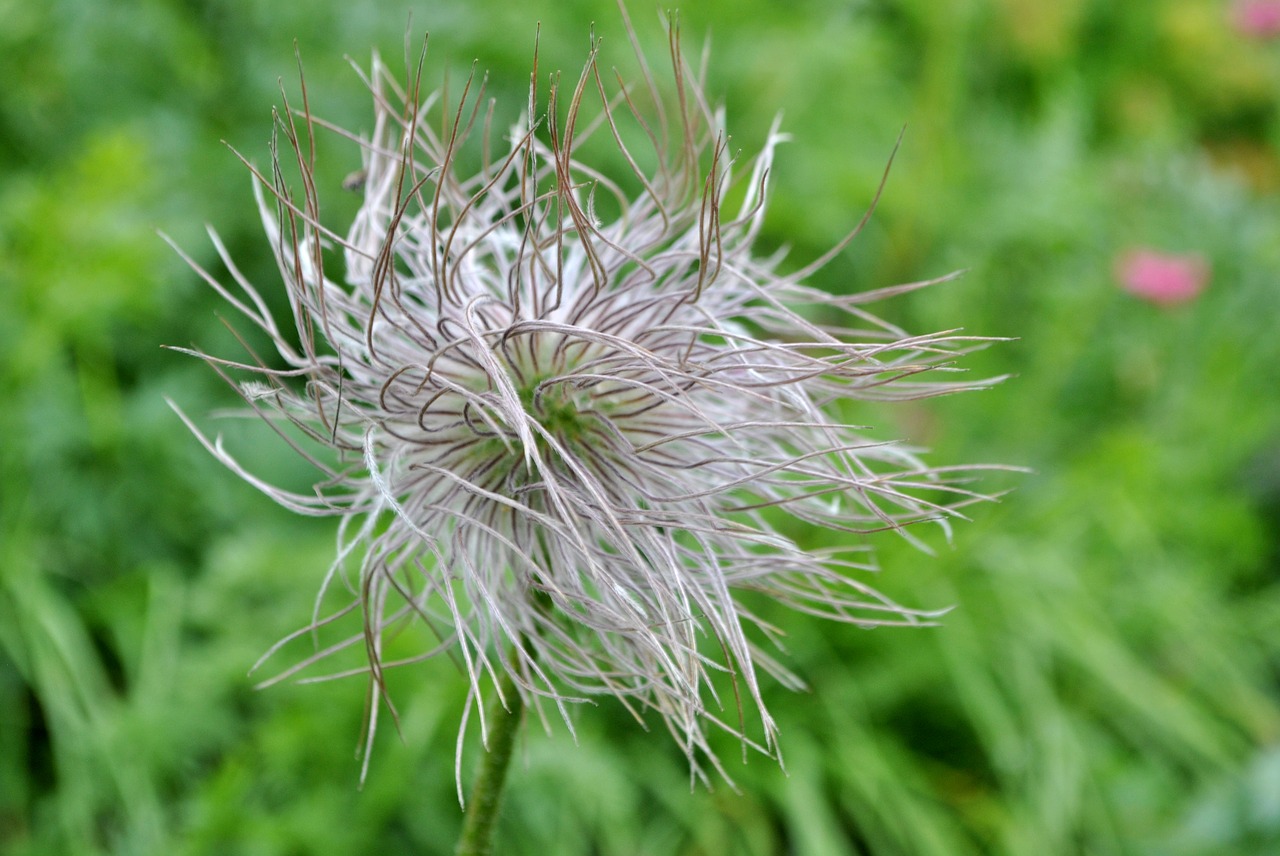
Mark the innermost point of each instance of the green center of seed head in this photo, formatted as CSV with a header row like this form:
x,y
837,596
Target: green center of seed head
x,y
559,413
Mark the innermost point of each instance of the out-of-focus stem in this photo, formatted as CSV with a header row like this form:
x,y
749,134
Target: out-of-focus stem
x,y
486,794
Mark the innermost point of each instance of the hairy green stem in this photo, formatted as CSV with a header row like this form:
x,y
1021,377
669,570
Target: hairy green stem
x,y
486,794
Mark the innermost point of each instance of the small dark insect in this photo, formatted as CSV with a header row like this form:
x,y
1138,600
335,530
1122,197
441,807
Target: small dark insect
x,y
354,182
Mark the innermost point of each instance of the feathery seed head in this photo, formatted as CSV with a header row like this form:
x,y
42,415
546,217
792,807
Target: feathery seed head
x,y
559,419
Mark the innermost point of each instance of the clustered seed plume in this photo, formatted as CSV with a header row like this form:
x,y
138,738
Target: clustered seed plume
x,y
560,420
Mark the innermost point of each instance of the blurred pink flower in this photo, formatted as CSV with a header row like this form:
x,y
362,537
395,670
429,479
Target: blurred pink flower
x,y
1259,19
1162,278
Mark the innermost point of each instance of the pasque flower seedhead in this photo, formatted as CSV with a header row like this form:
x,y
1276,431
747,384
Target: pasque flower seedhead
x,y
563,416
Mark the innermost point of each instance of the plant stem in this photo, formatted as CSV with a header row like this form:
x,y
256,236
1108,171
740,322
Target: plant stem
x,y
486,794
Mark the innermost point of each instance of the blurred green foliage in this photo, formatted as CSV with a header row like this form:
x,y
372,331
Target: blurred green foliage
x,y
1107,683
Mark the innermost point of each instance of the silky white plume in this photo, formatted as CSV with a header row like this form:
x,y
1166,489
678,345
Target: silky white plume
x,y
563,417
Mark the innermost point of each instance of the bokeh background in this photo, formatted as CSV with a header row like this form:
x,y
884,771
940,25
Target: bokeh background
x,y
1108,680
